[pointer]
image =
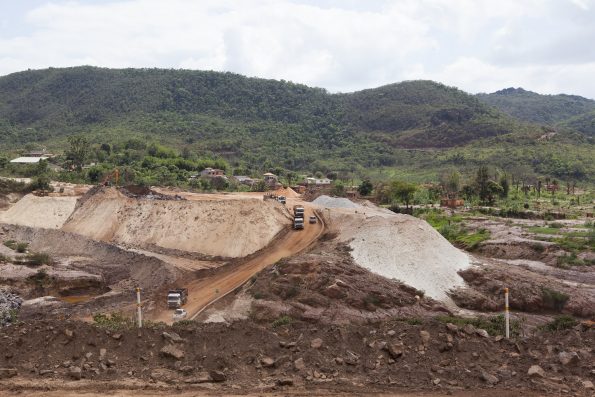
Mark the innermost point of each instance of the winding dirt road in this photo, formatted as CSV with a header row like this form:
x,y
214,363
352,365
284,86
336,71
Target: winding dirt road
x,y
204,291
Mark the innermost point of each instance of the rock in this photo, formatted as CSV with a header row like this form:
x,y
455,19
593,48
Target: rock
x,y
172,337
267,362
186,369
316,343
482,332
568,359
75,373
117,336
334,291
69,333
489,378
339,360
299,364
218,376
394,350
588,385
341,283
284,382
451,327
44,372
425,337
469,329
164,375
102,353
392,332
436,381
201,377
535,371
7,373
172,351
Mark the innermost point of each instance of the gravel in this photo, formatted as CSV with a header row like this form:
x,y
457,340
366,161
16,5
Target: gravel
x,y
9,303
335,202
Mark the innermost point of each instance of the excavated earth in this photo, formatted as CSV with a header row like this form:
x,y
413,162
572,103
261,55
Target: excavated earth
x,y
248,356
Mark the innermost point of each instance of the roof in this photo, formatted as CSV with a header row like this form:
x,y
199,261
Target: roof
x,y
28,160
269,174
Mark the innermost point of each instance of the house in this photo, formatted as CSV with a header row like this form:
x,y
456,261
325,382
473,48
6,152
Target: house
x,y
244,180
38,153
28,160
270,179
212,173
317,182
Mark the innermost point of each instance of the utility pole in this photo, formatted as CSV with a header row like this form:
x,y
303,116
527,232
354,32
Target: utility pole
x,y
506,313
139,315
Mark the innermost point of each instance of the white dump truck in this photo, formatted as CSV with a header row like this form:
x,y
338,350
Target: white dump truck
x,y
177,297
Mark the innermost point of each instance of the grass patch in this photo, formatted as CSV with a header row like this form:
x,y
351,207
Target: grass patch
x,y
114,321
560,323
16,246
283,320
542,230
495,325
183,323
34,259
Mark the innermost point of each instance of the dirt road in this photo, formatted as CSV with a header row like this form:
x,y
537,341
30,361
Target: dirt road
x,y
205,291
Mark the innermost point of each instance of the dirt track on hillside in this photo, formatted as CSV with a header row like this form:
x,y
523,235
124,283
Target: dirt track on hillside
x,y
205,291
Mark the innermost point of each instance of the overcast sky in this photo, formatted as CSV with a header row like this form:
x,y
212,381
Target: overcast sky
x,y
546,46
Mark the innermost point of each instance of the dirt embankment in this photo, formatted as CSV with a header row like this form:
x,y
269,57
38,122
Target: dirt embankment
x,y
43,212
529,292
326,286
390,356
226,228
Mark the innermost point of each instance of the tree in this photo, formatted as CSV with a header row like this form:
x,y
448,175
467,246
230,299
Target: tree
x,y
365,188
78,151
402,191
338,189
481,183
453,184
505,186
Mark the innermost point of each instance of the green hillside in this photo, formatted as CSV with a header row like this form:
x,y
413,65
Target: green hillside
x,y
415,128
537,108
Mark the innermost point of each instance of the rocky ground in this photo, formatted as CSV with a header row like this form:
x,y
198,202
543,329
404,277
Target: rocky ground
x,y
248,356
9,305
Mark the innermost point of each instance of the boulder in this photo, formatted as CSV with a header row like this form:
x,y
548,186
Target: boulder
x,y
489,378
425,337
218,376
394,350
172,337
164,375
299,364
482,332
201,377
172,351
75,372
535,371
267,362
316,343
568,358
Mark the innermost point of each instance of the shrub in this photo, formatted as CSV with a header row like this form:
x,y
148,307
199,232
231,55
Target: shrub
x,y
556,225
283,320
184,323
22,247
494,325
553,299
560,323
34,259
11,244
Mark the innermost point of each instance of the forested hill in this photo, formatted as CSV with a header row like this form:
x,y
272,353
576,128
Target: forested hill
x,y
533,107
410,114
262,123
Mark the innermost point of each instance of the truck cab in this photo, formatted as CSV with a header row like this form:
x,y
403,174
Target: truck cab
x,y
177,297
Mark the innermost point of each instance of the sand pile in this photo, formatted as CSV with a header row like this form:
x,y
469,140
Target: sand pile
x,y
45,212
227,228
398,246
287,192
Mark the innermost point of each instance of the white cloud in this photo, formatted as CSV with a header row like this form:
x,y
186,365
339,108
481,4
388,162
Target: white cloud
x,y
343,46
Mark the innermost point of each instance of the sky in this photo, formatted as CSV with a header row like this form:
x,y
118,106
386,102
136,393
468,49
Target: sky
x,y
547,46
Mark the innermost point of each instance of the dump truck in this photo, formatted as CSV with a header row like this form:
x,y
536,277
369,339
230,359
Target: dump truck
x,y
298,211
177,297
298,223
282,199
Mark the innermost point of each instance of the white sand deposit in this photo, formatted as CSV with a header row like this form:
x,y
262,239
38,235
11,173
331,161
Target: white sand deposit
x,y
45,212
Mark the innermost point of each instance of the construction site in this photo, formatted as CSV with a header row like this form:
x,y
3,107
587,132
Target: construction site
x,y
149,291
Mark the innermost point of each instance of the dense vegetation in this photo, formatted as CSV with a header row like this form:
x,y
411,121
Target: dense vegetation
x,y
416,129
568,110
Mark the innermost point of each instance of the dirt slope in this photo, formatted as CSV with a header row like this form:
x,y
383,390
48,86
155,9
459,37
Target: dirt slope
x,y
33,211
224,280
226,228
397,246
